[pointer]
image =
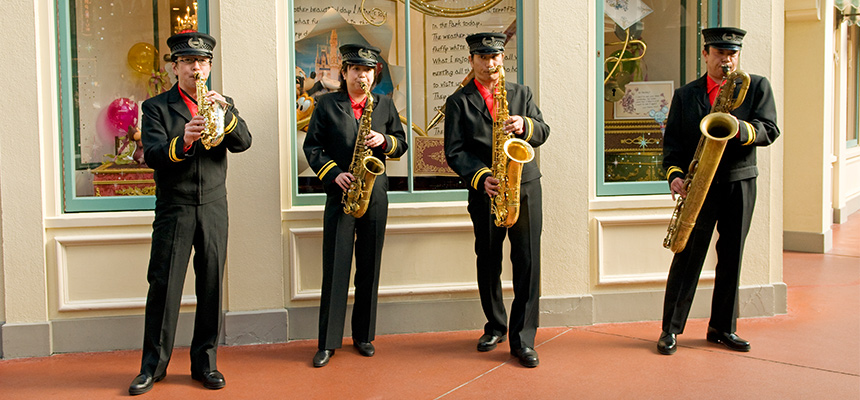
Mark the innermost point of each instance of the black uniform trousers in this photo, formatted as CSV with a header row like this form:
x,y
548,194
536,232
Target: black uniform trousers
x,y
340,233
525,261
729,206
176,229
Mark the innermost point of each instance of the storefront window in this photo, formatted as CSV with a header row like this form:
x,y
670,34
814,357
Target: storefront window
x,y
424,59
113,56
649,48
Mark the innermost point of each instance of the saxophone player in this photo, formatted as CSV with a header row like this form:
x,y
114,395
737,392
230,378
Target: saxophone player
x,y
330,147
469,117
731,197
190,212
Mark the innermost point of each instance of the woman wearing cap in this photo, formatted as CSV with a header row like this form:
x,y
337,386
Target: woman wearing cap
x,y
329,148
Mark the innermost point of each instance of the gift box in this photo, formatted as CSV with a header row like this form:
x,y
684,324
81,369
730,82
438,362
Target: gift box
x,y
110,179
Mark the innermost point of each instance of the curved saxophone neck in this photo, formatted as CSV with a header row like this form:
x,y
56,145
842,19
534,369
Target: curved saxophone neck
x,y
366,88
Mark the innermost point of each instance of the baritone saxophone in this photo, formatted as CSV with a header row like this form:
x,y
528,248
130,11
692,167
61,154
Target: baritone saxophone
x,y
509,156
212,113
364,166
717,128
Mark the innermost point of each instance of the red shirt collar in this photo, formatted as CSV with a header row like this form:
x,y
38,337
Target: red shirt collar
x,y
713,89
192,105
489,99
357,107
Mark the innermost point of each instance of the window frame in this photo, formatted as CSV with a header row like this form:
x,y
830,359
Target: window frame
x,y
410,195
69,132
638,188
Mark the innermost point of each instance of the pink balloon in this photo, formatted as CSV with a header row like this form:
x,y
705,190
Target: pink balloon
x,y
122,113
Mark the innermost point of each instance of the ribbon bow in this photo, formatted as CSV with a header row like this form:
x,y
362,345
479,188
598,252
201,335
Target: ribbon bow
x,y
159,82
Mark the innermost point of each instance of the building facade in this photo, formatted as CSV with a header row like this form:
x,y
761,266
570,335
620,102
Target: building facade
x,y
76,214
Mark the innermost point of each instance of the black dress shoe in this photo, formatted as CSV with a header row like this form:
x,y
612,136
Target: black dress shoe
x,y
364,348
142,384
528,357
667,344
211,380
322,357
732,341
488,342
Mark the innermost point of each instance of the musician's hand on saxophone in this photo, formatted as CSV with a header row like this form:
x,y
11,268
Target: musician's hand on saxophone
x,y
514,125
374,139
217,98
344,179
193,130
491,186
677,187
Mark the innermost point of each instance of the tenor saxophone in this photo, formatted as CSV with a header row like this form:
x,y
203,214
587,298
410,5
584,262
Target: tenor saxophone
x,y
364,166
212,113
717,128
509,155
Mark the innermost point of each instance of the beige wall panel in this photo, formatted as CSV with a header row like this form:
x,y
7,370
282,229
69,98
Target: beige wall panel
x,y
103,272
851,169
417,260
629,250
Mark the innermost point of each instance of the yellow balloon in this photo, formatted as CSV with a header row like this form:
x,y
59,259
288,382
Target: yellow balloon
x,y
143,57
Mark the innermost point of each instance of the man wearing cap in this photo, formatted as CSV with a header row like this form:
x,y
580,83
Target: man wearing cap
x,y
731,197
469,119
190,212
329,148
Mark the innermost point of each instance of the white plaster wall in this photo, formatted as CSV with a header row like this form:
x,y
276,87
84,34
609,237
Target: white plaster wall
x,y
21,188
250,51
566,72
808,118
763,55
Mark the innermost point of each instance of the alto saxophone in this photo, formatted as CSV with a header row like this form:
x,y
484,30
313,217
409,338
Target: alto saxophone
x,y
364,166
717,128
213,114
509,155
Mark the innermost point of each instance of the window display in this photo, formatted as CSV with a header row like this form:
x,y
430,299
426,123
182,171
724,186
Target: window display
x,y
650,47
424,59
113,56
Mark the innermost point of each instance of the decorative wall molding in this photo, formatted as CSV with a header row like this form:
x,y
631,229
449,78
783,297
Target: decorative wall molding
x,y
62,243
605,278
298,293
802,10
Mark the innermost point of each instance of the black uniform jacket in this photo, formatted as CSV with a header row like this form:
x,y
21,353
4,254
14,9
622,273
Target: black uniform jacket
x,y
198,175
469,132
757,126
330,142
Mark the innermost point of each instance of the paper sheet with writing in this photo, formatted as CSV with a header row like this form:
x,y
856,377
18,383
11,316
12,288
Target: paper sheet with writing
x,y
447,54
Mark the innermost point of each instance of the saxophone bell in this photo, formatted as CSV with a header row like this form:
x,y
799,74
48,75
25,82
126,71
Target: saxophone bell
x,y
519,150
